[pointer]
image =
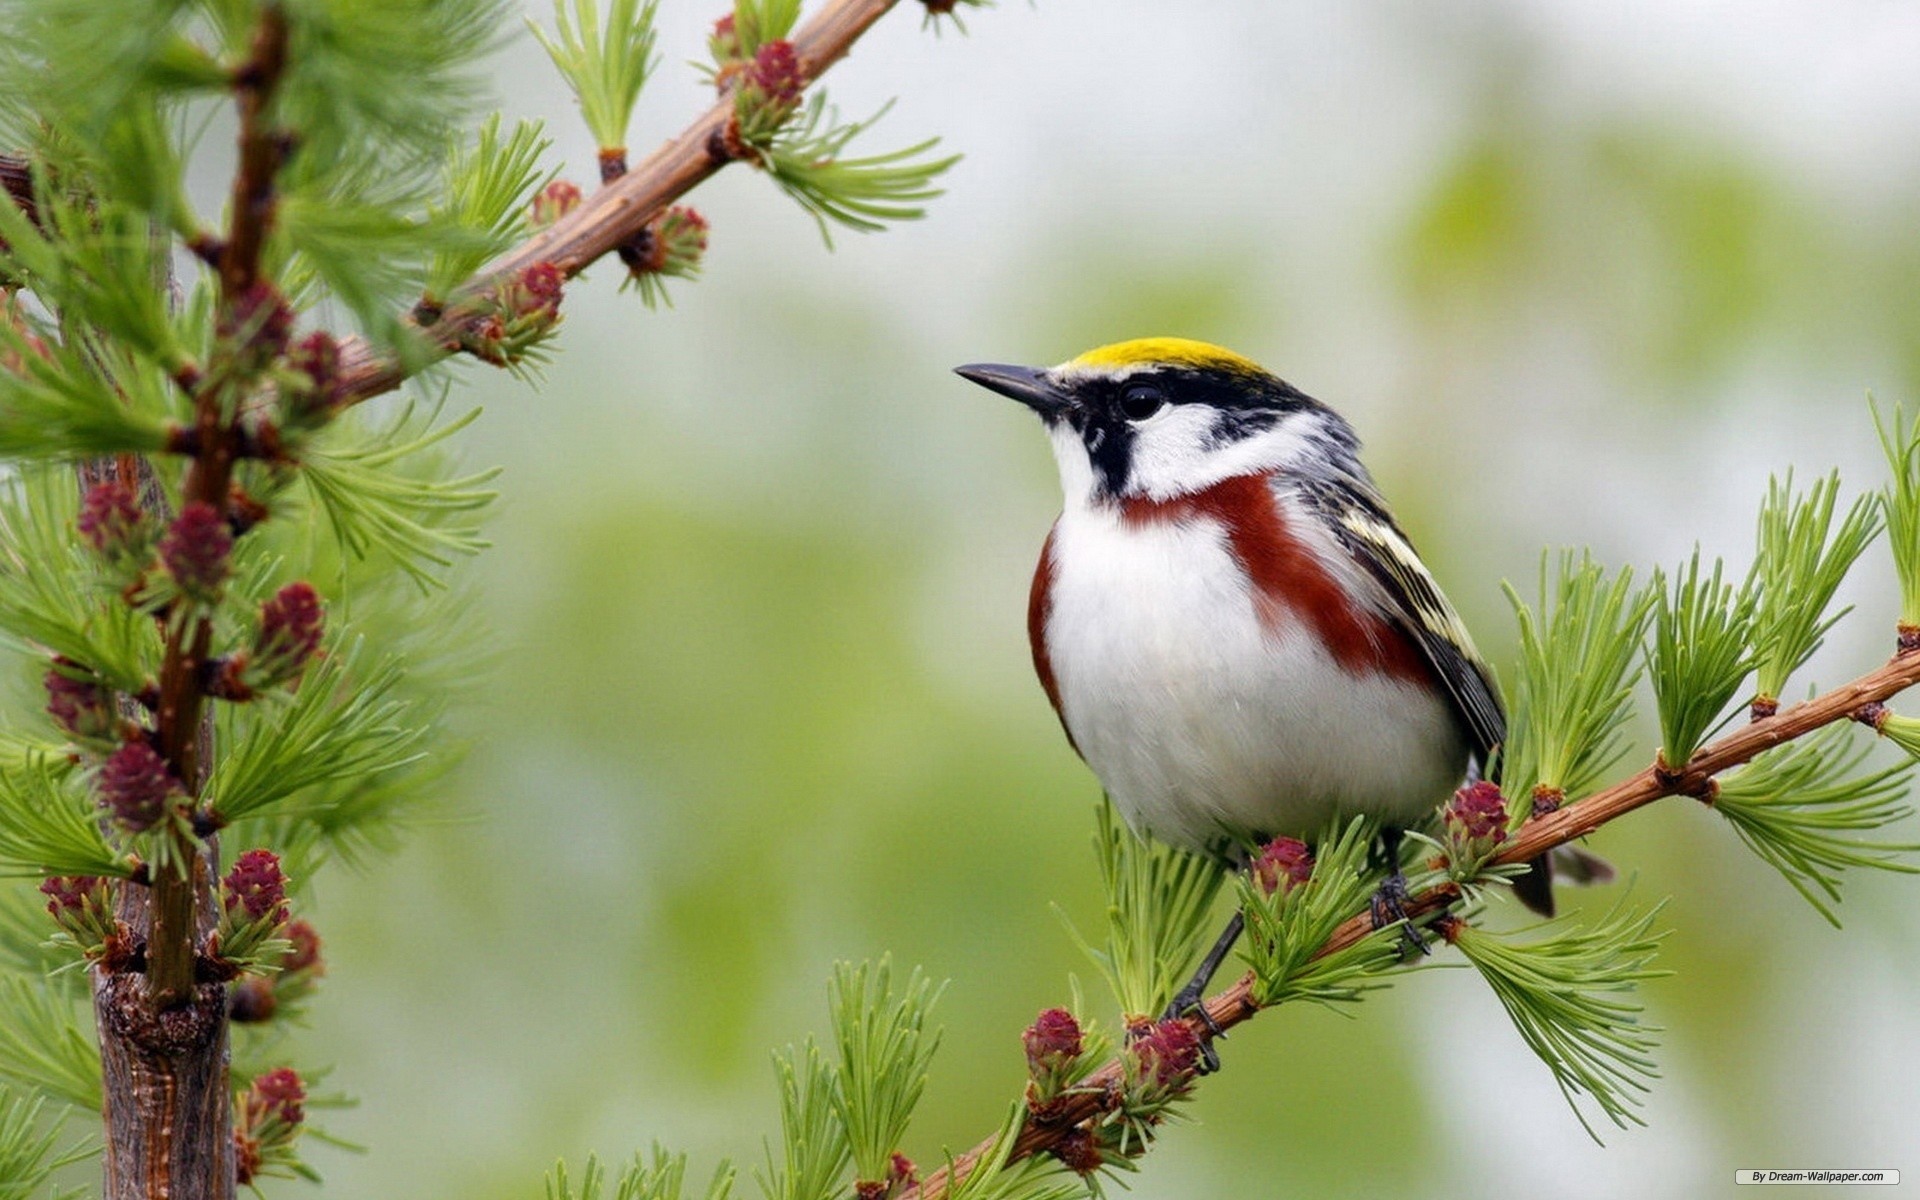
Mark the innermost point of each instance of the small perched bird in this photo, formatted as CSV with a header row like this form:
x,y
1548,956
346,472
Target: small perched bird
x,y
1237,637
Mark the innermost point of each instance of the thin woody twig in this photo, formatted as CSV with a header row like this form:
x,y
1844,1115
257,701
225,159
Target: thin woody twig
x,y
170,954
1235,1004
616,213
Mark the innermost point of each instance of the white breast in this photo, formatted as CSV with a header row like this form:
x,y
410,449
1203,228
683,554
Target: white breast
x,y
1201,722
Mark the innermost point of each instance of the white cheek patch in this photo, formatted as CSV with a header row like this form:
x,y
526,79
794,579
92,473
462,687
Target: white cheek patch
x,y
1174,453
1076,469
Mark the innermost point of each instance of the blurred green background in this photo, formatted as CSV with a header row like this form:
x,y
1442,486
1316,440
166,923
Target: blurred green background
x,y
1582,274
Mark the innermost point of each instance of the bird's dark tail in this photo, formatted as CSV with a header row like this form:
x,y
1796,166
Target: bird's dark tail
x,y
1571,863
1535,888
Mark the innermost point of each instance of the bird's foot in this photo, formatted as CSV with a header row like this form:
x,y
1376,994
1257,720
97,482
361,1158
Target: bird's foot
x,y
1389,907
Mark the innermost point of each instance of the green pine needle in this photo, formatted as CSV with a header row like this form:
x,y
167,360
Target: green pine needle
x,y
43,1046
757,22
1900,502
1159,906
28,1159
79,260
388,492
1799,561
995,1176
1697,656
661,1176
81,399
49,825
859,193
1795,806
1285,930
343,723
388,78
814,1154
1570,996
606,71
885,1048
488,187
371,256
1578,664
50,597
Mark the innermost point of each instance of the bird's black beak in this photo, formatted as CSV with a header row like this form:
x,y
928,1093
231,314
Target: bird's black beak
x,y
1029,385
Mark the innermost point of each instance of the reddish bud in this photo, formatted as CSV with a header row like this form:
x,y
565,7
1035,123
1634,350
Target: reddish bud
x,y
291,622
112,521
1052,1042
1168,1054
279,1095
305,955
541,287
901,1170
775,73
1478,812
1079,1151
196,548
724,41
678,241
555,200
79,703
258,886
259,323
316,357
69,893
135,786
252,1001
1284,864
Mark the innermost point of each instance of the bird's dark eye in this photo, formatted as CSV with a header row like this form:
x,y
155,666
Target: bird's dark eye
x,y
1141,401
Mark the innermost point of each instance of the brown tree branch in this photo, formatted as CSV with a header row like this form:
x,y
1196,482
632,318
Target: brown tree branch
x,y
1538,836
16,180
170,953
617,212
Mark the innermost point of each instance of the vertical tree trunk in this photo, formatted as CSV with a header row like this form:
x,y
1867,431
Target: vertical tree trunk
x,y
168,1105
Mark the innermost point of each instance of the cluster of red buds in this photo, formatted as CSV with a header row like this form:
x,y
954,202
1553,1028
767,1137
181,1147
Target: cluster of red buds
x,y
524,311
118,529
1162,1063
82,905
81,705
1056,1050
1476,822
554,201
1282,865
287,638
194,550
136,787
253,908
309,383
670,247
766,94
269,1120
259,998
197,550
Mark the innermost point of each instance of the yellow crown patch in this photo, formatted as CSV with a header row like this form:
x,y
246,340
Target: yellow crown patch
x,y
1166,351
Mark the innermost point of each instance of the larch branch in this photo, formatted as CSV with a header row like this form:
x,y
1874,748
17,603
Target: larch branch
x,y
617,212
1538,836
